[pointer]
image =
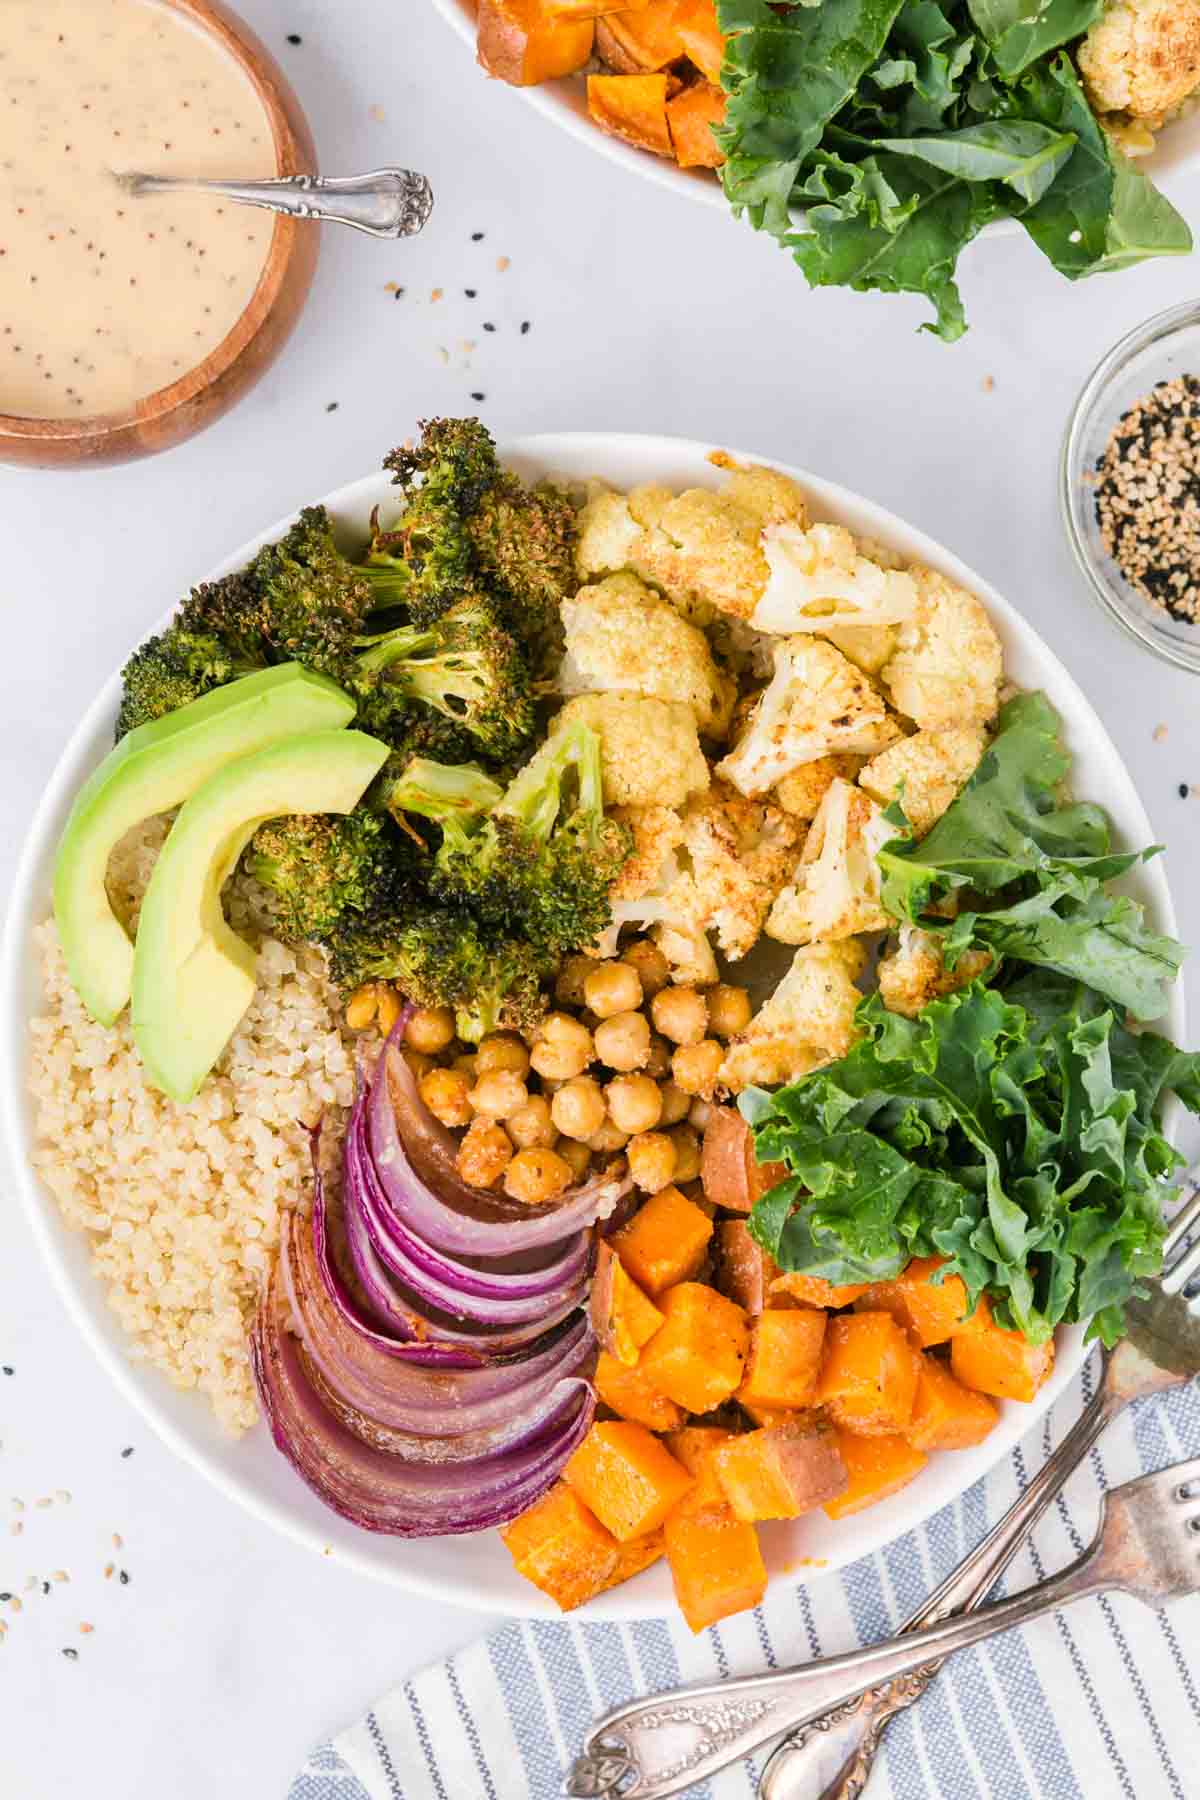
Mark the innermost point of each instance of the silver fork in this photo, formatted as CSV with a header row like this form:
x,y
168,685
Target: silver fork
x,y
727,1720
1147,1545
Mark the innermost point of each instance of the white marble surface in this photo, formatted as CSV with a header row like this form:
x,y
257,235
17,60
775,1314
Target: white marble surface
x,y
230,1651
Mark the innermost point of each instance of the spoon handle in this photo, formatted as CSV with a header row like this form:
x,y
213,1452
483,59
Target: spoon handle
x,y
386,203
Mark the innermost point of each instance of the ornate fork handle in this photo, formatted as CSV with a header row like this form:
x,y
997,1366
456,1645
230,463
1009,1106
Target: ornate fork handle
x,y
386,203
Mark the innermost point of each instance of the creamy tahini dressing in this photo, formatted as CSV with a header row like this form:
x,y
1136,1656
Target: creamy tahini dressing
x,y
105,299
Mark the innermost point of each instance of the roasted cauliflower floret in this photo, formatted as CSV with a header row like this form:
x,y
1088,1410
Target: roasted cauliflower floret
x,y
808,1021
867,646
639,894
737,854
700,547
802,792
835,890
948,666
820,578
650,749
913,974
608,535
622,638
1142,57
925,772
817,703
687,949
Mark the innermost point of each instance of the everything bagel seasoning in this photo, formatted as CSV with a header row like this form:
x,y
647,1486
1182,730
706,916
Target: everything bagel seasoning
x,y
1147,487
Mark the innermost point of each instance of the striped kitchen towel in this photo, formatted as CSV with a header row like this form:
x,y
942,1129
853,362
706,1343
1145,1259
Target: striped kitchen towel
x,y
1097,1703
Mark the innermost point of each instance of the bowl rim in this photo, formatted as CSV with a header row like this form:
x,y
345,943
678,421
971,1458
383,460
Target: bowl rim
x,y
148,1391
1160,325
292,157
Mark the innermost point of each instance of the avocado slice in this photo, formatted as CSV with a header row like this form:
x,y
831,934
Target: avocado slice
x,y
150,771
193,977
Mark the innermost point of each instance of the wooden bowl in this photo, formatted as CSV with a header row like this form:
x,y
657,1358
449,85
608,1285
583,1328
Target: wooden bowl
x,y
186,406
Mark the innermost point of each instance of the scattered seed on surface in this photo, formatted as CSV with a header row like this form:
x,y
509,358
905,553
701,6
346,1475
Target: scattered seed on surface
x,y
1147,497
7,1367
525,327
85,1630
398,293
18,1505
108,1571
443,355
71,1655
436,293
488,326
60,1575
1184,790
470,293
4,1598
332,407
128,1450
45,1588
502,263
477,237
63,1495
479,397
16,1605
989,383
118,1542
124,1578
1160,732
293,37
46,1500
378,114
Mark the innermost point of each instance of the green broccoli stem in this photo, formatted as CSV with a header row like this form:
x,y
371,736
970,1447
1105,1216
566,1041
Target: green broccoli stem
x,y
456,796
535,797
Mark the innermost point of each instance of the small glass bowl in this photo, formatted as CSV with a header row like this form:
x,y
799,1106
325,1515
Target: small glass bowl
x,y
1164,347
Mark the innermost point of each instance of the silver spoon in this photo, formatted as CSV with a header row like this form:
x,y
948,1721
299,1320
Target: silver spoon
x,y
386,203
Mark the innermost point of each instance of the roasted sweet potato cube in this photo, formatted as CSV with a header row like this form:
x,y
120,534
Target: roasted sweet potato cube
x,y
589,9
562,1548
623,1318
628,1479
636,1555
520,42
665,1241
785,1358
732,1177
814,1290
875,1468
698,1356
716,1565
630,1393
745,1271
702,38
946,1415
641,40
695,1446
691,115
931,1312
765,1415
869,1375
998,1362
632,107
781,1471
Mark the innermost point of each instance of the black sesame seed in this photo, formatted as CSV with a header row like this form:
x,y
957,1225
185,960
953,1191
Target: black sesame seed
x,y
488,326
524,327
128,1450
45,1587
8,1368
294,37
470,292
332,407
398,294
4,1597
1184,790
479,396
70,1654
477,237
123,1577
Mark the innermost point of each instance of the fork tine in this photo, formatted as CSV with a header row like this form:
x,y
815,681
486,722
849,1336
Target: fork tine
x,y
1183,1221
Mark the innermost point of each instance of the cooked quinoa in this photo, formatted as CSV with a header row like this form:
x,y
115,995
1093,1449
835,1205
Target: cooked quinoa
x,y
182,1203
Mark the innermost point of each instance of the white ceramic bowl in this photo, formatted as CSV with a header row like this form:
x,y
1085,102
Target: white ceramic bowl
x,y
565,102
476,1571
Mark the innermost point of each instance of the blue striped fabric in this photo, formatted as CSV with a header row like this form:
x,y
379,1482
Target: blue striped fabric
x,y
1099,1703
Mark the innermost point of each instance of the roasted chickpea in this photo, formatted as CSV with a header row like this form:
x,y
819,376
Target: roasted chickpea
x,y
568,983
686,1146
576,1155
531,1126
431,1029
563,1047
675,1103
654,971
447,1094
680,1014
535,1176
484,1154
389,1008
623,1042
465,1062
634,1103
728,1010
502,1050
651,1160
608,1139
499,1094
612,987
695,1067
418,1062
578,1107
658,1063
699,1113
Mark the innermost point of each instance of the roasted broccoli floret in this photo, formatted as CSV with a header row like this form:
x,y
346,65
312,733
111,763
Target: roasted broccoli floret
x,y
464,665
441,956
524,539
315,603
457,797
231,610
322,867
169,671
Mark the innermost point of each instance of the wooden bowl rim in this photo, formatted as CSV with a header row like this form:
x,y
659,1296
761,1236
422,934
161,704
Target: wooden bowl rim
x,y
237,38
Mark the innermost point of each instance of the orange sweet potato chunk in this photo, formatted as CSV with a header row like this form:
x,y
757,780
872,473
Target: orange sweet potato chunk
x,y
785,1358
589,9
691,115
627,1478
946,1415
703,40
781,1471
931,1312
632,107
520,42
562,1548
813,1290
665,1241
636,1555
875,1468
699,1355
731,1176
715,1563
695,1447
998,1362
869,1376
623,1318
745,1271
631,1394
640,41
